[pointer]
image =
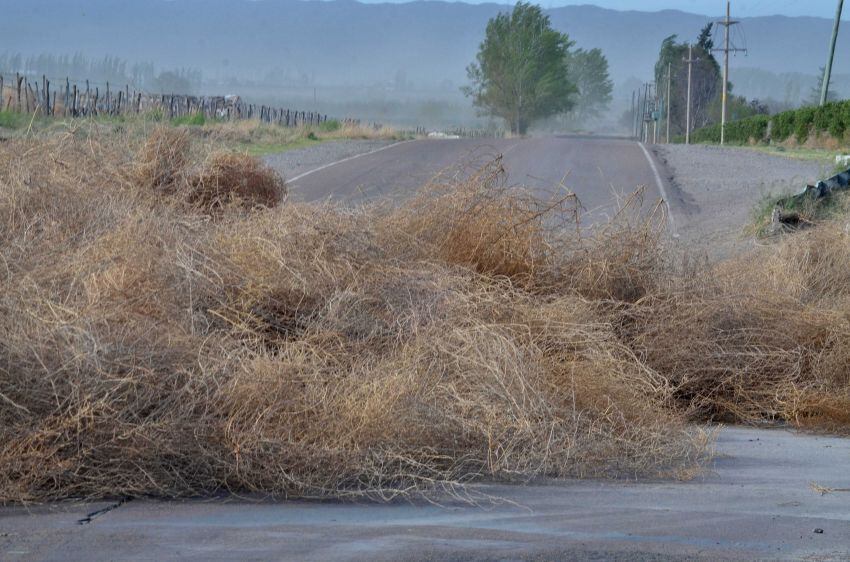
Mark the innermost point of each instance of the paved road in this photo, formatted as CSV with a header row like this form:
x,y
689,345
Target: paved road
x,y
597,169
756,504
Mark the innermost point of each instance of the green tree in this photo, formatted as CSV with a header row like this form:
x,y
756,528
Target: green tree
x,y
589,71
704,40
521,69
815,91
706,81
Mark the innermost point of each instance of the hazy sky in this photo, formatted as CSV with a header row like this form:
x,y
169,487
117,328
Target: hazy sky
x,y
742,8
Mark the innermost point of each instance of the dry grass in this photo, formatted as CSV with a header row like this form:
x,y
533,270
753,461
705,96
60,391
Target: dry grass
x,y
757,338
222,179
260,138
225,179
384,351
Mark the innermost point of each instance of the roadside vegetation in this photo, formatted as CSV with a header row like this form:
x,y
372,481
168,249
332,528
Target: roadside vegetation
x,y
821,155
250,136
809,127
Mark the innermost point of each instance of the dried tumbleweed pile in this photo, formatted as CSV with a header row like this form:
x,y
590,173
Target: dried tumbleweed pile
x,y
169,325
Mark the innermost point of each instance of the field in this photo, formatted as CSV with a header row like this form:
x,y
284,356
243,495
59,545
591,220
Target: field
x,y
172,325
249,136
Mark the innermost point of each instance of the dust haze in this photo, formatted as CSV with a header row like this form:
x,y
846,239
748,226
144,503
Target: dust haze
x,y
402,64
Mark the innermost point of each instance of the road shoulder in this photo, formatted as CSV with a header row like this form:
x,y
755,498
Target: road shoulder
x,y
714,191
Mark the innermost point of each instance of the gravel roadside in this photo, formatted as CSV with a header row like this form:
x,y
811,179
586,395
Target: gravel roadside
x,y
715,190
299,160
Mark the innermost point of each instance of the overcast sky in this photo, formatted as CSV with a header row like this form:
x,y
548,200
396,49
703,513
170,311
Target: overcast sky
x,y
740,8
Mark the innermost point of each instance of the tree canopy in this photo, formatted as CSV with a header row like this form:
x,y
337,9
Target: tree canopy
x,y
706,80
589,72
521,70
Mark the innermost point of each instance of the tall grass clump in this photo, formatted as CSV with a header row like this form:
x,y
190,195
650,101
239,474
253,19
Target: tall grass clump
x,y
193,120
13,119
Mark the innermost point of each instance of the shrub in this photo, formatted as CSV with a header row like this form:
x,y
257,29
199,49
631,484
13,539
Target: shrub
x,y
748,130
195,120
330,126
14,119
833,118
804,119
782,126
709,134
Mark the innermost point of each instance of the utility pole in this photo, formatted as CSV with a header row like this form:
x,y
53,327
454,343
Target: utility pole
x,y
634,111
654,116
727,23
637,116
645,123
669,85
690,60
827,74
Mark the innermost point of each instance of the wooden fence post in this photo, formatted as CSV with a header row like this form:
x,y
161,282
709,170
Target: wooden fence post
x,y
28,92
20,81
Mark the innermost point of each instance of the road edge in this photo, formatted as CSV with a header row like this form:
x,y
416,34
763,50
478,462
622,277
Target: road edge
x,y
659,182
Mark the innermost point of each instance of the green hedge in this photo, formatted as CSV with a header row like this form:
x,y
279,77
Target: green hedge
x,y
833,118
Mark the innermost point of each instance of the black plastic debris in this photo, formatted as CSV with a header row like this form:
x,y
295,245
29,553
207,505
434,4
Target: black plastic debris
x,y
783,217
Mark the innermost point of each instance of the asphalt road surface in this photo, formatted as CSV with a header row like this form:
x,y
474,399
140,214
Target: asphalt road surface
x,y
761,501
599,170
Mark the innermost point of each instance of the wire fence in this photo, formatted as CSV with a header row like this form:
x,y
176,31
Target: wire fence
x,y
84,98
42,97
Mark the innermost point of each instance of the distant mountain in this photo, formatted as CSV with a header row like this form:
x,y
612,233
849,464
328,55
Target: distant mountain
x,y
416,45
